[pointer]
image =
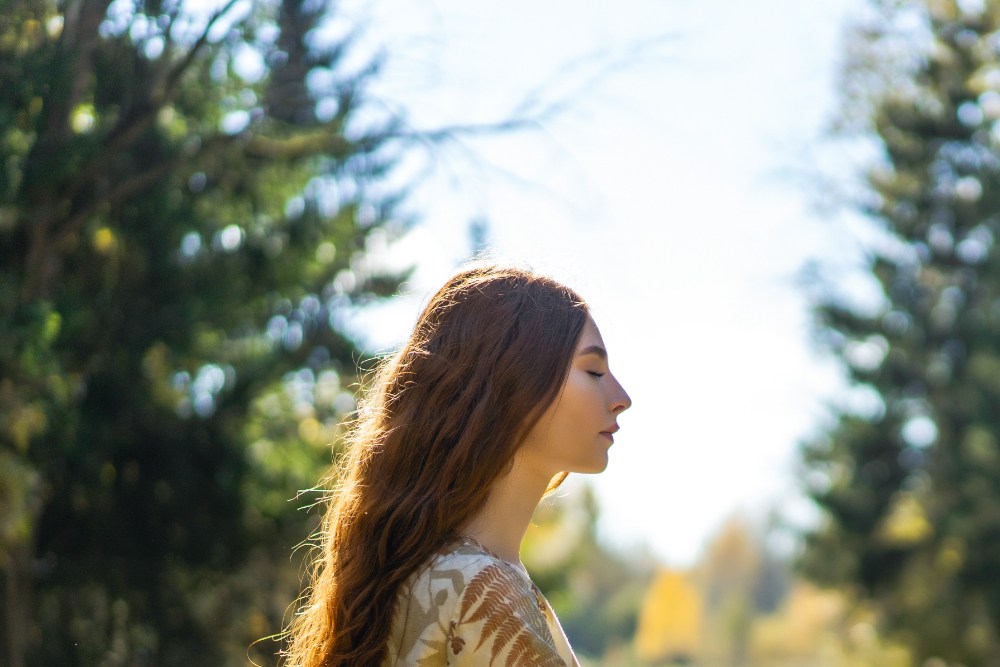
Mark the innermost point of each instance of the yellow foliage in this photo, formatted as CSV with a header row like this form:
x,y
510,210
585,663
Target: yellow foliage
x,y
862,647
53,323
978,637
906,524
207,341
670,621
19,498
943,10
708,616
979,82
83,118
173,124
311,430
104,241
799,627
31,36
814,627
25,422
979,446
951,557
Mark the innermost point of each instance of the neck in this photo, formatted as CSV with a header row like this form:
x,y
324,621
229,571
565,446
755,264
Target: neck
x,y
501,524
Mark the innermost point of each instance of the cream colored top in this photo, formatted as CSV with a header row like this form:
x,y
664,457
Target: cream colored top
x,y
469,608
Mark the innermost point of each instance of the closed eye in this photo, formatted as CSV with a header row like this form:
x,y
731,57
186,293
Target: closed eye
x,y
596,374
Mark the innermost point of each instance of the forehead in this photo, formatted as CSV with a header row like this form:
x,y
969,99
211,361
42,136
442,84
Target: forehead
x,y
590,336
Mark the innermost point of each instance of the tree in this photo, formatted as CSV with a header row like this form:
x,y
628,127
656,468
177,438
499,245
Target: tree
x,y
711,612
670,621
186,204
910,488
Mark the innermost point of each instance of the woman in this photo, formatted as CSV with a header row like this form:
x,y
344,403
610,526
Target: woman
x,y
502,390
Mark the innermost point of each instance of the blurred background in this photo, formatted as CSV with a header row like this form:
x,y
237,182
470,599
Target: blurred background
x,y
215,214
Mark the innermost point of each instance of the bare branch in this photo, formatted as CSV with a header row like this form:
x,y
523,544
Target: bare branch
x,y
531,112
606,62
168,32
452,132
140,123
174,79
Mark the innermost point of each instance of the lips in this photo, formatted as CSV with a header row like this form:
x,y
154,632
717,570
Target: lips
x,y
610,433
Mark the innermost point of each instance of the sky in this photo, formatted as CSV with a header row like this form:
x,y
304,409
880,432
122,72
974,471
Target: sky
x,y
673,191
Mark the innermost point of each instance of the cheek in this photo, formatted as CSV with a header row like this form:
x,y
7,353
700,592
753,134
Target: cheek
x,y
580,447
579,413
567,439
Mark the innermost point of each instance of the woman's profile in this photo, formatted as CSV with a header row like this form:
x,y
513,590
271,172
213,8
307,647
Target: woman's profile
x,y
502,389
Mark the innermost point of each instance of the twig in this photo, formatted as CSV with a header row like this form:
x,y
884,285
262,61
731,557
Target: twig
x,y
119,193
132,131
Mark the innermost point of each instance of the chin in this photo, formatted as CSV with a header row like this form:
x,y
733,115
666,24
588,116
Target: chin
x,y
594,466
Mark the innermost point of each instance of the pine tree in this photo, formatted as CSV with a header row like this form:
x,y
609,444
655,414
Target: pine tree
x,y
911,489
186,205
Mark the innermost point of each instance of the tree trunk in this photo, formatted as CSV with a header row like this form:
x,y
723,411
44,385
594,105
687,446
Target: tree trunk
x,y
15,597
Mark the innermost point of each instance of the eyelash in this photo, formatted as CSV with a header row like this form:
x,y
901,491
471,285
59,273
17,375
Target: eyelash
x,y
596,374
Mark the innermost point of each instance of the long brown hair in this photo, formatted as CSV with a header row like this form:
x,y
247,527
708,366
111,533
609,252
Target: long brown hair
x,y
442,421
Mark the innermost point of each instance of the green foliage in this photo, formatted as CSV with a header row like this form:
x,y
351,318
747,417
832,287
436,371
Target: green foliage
x,y
911,489
178,228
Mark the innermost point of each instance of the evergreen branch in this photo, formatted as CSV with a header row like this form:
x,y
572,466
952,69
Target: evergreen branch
x,y
78,39
132,185
300,146
134,128
132,131
324,142
120,193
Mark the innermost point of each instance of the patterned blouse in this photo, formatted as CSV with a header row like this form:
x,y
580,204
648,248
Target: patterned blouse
x,y
469,608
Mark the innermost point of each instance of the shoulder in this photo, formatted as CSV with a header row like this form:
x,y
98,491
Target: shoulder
x,y
457,564
477,574
500,613
468,608
429,601
462,555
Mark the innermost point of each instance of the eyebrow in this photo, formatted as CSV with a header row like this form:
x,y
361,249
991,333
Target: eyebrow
x,y
594,349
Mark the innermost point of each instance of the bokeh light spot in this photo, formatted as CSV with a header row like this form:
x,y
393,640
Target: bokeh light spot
x,y
920,431
235,122
191,244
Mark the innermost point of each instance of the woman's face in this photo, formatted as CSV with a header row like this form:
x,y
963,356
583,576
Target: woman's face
x,y
575,432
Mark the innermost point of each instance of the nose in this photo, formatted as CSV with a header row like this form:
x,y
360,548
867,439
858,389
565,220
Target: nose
x,y
620,401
